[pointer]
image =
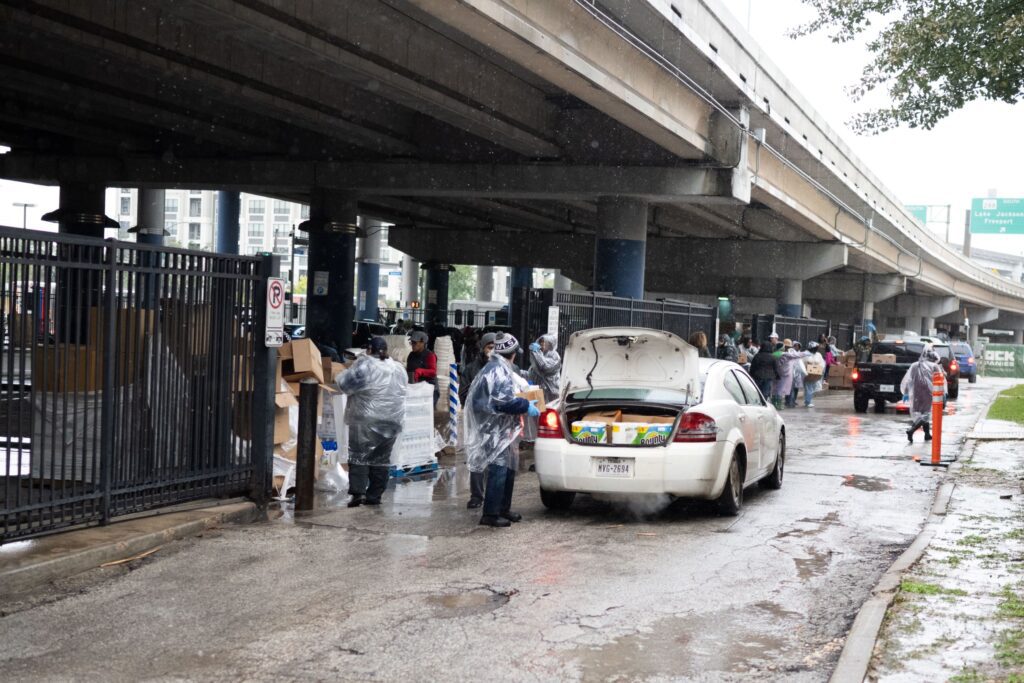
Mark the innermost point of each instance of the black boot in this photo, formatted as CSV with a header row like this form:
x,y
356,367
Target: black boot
x,y
491,520
927,433
910,435
512,516
355,501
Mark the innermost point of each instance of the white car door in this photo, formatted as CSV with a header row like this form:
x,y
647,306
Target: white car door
x,y
747,418
765,420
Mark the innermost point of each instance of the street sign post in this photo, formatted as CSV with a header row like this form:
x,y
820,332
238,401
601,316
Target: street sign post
x,y
274,334
991,216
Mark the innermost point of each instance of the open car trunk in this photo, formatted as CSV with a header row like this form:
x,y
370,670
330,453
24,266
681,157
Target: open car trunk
x,y
619,423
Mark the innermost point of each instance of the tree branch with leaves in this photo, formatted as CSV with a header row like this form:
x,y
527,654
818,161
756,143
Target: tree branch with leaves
x,y
933,56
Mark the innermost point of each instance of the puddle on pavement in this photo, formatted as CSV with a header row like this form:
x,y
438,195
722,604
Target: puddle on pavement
x,y
680,646
815,565
863,483
468,603
820,525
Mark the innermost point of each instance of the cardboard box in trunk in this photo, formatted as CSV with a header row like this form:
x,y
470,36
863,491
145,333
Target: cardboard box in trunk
x,y
648,419
606,416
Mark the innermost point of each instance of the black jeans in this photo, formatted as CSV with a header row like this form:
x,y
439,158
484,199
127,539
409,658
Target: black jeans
x,y
476,485
500,482
368,480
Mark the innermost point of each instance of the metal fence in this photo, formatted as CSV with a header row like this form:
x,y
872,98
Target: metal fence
x,y
585,310
802,330
131,379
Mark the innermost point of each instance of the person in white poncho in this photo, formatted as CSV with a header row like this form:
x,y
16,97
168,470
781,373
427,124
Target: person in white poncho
x,y
917,386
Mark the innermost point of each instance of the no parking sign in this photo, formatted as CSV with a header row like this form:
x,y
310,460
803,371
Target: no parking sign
x,y
274,335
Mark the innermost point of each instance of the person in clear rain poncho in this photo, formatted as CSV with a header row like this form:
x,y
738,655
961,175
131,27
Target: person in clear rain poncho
x,y
545,368
376,387
494,424
917,387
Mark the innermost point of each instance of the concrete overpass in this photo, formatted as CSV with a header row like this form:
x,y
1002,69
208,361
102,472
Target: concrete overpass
x,y
637,145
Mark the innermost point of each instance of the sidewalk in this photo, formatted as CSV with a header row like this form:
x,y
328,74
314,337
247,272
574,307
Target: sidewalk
x,y
959,612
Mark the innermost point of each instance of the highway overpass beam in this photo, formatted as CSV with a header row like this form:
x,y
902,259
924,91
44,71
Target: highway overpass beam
x,y
728,138
919,310
620,247
369,269
333,219
437,293
229,207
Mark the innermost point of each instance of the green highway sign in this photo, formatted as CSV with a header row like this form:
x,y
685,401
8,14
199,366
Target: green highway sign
x,y
919,211
997,216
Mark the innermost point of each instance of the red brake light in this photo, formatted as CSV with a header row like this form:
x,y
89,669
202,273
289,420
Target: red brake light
x,y
696,427
854,375
953,366
549,426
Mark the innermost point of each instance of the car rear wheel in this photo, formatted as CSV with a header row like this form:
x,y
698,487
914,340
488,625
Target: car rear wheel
x,y
860,402
774,480
557,500
879,405
973,379
731,500
954,391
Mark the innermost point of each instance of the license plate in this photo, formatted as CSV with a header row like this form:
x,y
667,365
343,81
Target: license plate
x,y
614,467
887,388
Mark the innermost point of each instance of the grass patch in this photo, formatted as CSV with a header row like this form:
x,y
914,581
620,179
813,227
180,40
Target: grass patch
x,y
973,539
1009,405
1011,606
1010,648
920,588
1015,535
967,676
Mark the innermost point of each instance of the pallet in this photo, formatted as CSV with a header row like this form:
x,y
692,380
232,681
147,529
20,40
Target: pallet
x,y
413,470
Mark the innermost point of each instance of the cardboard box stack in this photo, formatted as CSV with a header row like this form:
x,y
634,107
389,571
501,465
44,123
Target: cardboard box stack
x,y
616,427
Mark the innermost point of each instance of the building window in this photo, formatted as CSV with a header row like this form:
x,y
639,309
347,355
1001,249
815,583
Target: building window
x,y
256,231
195,206
195,191
171,206
126,190
257,206
169,225
126,206
383,282
305,211
282,207
194,231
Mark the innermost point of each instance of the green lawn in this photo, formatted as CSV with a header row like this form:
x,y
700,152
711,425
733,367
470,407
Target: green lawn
x,y
1009,405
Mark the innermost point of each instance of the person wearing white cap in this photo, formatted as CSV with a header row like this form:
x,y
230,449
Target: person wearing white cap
x,y
493,425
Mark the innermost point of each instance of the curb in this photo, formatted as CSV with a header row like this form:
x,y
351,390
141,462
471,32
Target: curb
x,y
855,659
19,579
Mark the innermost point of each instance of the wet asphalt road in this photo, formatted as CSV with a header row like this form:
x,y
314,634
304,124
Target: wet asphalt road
x,y
416,591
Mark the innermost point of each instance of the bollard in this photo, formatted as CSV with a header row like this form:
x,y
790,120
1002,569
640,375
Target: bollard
x,y
453,406
305,456
938,393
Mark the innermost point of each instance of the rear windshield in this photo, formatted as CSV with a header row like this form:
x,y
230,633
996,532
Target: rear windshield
x,y
669,396
963,348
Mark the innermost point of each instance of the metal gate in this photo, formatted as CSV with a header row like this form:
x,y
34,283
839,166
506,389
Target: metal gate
x,y
586,310
133,377
802,330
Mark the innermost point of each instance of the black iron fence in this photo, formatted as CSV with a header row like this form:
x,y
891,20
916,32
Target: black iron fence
x,y
132,378
585,310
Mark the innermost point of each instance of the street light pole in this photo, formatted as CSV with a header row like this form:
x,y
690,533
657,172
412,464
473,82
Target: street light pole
x,y
24,213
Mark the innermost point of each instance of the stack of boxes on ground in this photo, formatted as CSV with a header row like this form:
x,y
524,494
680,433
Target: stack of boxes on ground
x,y
839,375
300,359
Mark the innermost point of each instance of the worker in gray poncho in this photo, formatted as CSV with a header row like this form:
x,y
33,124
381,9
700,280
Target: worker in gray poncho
x,y
917,387
545,369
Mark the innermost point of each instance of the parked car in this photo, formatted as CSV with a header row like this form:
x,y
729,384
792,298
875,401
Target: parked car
x,y
717,433
881,381
949,363
965,358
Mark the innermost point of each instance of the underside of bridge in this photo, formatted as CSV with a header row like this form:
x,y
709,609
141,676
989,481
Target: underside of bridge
x,y
493,132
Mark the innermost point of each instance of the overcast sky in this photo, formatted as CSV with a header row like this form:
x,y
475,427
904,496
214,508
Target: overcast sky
x,y
974,150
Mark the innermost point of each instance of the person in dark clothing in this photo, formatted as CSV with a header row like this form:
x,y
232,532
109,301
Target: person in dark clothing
x,y
764,371
422,362
469,373
726,349
494,424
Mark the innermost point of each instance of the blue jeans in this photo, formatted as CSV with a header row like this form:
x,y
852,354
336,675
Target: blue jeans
x,y
808,395
765,385
498,496
791,399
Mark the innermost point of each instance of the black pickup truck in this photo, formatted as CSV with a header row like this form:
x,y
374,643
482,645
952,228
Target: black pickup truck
x,y
881,381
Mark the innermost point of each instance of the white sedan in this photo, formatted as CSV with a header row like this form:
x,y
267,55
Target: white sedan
x,y
640,413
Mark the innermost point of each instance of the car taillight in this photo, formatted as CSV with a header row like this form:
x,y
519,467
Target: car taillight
x,y
970,360
954,366
854,375
694,427
549,426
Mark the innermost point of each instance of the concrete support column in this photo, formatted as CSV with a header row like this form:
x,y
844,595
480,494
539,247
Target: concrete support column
x,y
522,277
1018,272
867,313
332,224
562,283
1018,336
485,283
972,336
229,208
151,216
791,298
927,325
369,270
410,280
914,323
437,293
621,246
81,210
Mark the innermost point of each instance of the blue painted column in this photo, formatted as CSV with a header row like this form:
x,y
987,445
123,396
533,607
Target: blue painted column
x,y
229,207
436,305
791,298
330,309
620,251
369,270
